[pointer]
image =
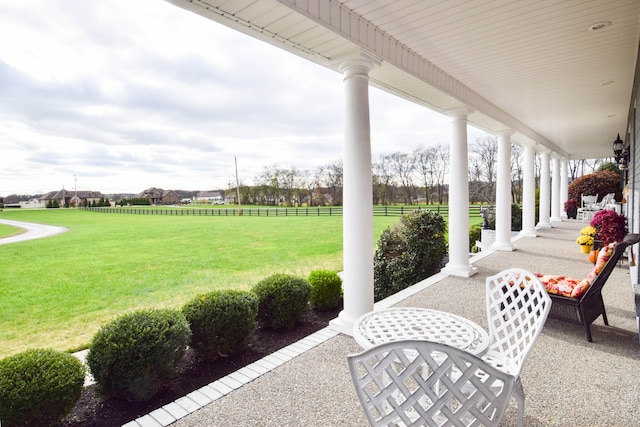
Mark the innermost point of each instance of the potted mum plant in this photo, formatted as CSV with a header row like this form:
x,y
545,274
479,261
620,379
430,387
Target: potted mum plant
x,y
571,208
586,238
611,227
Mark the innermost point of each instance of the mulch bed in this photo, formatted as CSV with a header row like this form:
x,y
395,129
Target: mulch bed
x,y
192,374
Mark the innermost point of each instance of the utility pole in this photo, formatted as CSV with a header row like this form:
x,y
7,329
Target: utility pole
x,y
237,187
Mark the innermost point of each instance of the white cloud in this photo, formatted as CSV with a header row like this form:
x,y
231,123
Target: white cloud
x,y
126,95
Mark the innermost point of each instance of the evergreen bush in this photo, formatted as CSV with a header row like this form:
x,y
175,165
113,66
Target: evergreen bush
x,y
39,387
283,299
326,289
135,354
410,252
516,218
221,322
475,235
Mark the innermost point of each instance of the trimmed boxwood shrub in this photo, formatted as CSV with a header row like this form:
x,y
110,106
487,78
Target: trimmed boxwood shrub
x,y
516,218
326,289
39,387
135,354
475,235
411,251
221,322
283,299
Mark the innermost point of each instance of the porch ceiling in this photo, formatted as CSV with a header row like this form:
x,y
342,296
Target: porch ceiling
x,y
534,67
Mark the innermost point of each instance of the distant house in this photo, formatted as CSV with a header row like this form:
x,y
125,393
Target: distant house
x,y
67,198
158,196
212,197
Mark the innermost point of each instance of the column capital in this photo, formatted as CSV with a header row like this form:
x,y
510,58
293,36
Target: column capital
x,y
355,62
459,113
543,150
505,132
528,144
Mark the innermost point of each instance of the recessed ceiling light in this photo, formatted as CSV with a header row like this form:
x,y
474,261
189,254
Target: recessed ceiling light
x,y
599,25
607,82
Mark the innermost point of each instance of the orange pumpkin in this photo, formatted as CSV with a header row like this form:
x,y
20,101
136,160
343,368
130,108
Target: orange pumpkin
x,y
593,256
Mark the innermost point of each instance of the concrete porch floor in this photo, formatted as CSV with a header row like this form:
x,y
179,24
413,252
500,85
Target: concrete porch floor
x,y
567,380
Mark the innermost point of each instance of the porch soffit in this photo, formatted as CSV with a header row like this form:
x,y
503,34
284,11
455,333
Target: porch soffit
x,y
532,66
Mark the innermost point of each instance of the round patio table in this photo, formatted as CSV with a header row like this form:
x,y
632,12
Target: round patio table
x,y
411,323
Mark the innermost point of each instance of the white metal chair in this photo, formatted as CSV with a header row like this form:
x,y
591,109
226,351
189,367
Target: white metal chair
x,y
427,383
587,207
517,308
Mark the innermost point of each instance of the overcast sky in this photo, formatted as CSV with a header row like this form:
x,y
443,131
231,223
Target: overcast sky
x,y
125,95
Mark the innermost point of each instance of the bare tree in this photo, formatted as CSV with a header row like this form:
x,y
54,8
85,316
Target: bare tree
x,y
516,172
270,183
426,160
308,184
332,175
382,179
403,167
484,158
441,171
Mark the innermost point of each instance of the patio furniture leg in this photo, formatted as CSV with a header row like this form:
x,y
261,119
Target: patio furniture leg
x,y
518,394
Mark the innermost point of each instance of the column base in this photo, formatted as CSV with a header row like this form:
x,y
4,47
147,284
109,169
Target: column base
x,y
459,270
343,324
528,233
543,225
556,219
506,247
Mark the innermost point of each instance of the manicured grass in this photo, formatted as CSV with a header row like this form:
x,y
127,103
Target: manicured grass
x,y
7,230
56,292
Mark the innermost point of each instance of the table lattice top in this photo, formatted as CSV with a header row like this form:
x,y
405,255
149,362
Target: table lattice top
x,y
408,323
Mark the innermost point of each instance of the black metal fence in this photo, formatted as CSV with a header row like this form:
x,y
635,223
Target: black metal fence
x,y
300,211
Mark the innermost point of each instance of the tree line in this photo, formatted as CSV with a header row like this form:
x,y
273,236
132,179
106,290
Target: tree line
x,y
416,177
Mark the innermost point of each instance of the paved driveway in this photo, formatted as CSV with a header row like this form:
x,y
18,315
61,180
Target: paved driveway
x,y
33,231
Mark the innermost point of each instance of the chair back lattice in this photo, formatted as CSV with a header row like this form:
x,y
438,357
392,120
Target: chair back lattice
x,y
587,201
415,383
517,308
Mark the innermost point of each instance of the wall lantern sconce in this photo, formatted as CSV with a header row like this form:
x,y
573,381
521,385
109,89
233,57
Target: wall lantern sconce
x,y
621,154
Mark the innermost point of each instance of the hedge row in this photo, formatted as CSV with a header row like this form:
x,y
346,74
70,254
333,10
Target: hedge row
x,y
135,354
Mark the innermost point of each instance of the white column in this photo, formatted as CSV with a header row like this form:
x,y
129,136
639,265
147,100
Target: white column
x,y
555,188
458,264
529,192
564,186
357,196
545,190
503,194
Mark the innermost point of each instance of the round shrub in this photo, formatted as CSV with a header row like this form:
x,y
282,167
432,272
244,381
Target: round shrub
x,y
516,218
410,252
611,227
326,289
475,235
221,322
39,387
600,183
283,299
135,354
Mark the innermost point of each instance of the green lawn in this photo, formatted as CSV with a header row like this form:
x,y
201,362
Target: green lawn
x,y
7,230
56,292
